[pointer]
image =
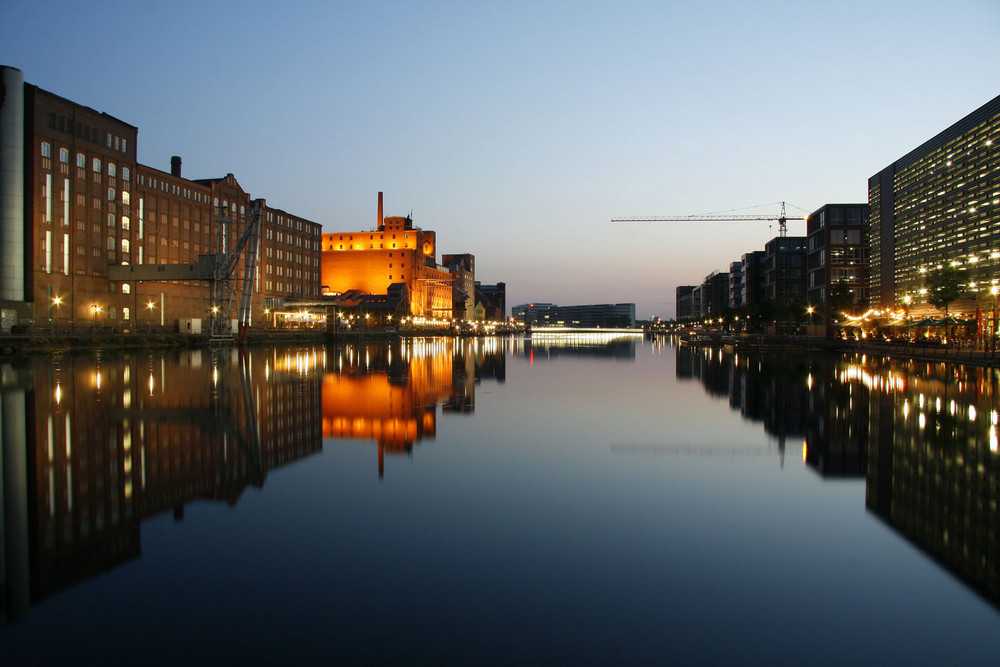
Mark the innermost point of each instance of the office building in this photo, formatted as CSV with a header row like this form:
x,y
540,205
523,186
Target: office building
x,y
603,315
938,205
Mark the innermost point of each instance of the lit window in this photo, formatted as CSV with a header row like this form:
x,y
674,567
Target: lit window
x,y
46,149
97,165
64,155
81,160
112,169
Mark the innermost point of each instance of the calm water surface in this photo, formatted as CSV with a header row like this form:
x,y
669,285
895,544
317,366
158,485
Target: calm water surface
x,y
558,501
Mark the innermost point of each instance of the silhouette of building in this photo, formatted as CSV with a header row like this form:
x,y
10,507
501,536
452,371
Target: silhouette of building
x,y
491,302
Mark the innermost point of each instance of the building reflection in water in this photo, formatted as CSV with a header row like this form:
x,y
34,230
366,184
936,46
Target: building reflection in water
x,y
922,435
543,346
388,391
93,445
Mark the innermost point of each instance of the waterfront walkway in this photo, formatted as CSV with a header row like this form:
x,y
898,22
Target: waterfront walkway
x,y
958,352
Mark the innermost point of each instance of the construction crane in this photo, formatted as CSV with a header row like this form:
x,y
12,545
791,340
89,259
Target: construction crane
x,y
223,268
781,218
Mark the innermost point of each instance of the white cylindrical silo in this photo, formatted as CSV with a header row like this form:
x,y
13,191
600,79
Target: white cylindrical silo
x,y
11,184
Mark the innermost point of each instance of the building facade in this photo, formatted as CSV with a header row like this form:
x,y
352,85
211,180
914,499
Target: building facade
x,y
938,205
395,252
785,271
684,302
753,279
715,294
463,276
604,315
94,228
491,302
837,253
735,284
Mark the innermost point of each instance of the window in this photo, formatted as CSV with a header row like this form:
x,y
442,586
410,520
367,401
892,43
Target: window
x,y
112,169
125,245
126,197
64,155
111,194
46,149
126,174
126,289
111,219
81,160
97,165
125,222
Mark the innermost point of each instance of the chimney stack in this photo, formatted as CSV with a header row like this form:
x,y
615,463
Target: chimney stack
x,y
175,166
381,219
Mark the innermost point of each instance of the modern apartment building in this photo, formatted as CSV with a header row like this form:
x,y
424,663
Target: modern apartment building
x,y
938,205
752,279
684,302
837,252
715,294
735,284
785,270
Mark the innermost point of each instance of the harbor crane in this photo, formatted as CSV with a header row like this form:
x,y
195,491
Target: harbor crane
x,y
781,219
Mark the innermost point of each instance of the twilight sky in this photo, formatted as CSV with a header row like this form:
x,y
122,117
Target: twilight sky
x,y
517,130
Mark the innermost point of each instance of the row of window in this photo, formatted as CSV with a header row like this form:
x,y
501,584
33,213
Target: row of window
x,y
81,161
84,131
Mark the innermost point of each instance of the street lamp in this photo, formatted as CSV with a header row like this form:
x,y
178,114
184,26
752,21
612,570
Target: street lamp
x,y
53,322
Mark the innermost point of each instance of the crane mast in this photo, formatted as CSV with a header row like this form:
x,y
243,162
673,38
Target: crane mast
x,y
781,219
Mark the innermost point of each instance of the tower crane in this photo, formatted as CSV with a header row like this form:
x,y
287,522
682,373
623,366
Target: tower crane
x,y
781,218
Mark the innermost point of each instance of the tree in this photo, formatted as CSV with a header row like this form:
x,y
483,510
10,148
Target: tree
x,y
944,286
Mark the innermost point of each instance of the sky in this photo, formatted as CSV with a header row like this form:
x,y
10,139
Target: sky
x,y
518,130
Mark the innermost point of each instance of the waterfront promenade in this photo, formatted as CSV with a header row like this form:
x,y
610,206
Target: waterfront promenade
x,y
956,352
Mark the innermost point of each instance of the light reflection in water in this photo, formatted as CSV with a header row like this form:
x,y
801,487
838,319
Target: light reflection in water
x,y
106,456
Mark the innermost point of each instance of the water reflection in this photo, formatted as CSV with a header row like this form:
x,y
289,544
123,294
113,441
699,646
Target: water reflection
x,y
388,392
94,445
922,435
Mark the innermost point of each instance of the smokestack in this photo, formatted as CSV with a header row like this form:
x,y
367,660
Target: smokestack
x,y
380,218
175,166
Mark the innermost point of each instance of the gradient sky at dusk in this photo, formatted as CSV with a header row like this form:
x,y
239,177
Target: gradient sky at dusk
x,y
517,130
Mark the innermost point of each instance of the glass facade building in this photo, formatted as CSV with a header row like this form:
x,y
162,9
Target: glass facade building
x,y
938,205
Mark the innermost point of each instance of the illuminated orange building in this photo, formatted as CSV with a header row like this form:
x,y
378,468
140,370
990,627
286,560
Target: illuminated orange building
x,y
395,252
